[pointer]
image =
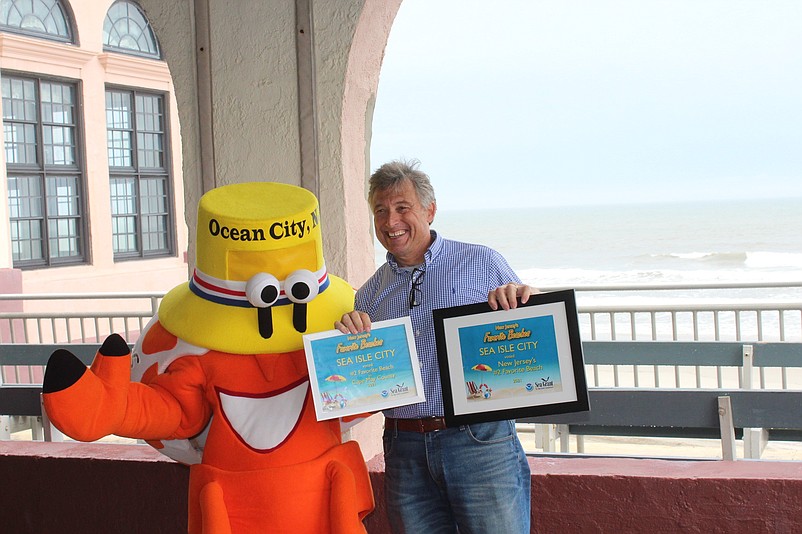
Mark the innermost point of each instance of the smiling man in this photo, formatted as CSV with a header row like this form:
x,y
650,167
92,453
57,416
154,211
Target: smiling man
x,y
472,478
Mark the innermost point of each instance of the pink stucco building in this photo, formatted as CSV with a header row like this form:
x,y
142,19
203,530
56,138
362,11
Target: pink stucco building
x,y
91,195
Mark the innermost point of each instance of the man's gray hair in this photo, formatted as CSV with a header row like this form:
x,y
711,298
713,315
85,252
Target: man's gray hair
x,y
392,175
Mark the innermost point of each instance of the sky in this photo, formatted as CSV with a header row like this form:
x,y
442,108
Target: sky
x,y
521,103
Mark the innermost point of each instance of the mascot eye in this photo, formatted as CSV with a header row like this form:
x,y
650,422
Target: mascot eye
x,y
262,290
301,286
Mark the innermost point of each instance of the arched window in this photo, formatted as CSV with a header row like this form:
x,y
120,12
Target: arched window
x,y
127,30
38,18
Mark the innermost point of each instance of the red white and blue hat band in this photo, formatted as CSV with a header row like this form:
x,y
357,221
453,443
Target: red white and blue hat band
x,y
232,293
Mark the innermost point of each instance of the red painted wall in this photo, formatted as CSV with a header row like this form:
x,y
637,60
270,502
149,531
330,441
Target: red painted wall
x,y
90,487
622,495
69,487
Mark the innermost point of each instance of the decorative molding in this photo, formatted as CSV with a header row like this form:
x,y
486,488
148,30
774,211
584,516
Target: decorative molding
x,y
149,72
40,55
43,55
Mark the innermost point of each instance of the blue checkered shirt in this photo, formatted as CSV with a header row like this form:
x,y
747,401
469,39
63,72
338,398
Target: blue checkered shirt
x,y
456,274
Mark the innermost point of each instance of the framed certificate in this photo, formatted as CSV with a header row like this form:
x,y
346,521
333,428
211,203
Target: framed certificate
x,y
361,373
509,364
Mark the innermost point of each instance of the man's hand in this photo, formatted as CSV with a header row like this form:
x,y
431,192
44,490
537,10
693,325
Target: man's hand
x,y
353,322
506,296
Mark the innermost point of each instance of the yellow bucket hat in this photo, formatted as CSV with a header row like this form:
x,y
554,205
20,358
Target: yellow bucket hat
x,y
260,281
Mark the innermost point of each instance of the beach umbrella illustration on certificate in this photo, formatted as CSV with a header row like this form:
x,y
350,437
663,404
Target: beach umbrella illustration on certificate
x,y
482,391
337,399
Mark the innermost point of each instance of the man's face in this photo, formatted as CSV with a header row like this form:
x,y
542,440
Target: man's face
x,y
402,223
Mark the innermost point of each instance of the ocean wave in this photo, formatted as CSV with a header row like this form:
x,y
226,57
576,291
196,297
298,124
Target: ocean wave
x,y
749,260
731,258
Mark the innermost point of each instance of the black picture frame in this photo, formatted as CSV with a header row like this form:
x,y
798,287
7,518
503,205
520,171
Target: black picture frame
x,y
524,352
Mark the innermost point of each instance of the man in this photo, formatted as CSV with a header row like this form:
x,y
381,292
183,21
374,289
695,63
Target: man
x,y
473,478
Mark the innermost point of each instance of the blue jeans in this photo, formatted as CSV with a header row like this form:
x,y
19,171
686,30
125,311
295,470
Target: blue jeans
x,y
473,480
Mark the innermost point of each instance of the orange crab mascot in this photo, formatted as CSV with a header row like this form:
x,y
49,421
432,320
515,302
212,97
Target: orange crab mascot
x,y
223,383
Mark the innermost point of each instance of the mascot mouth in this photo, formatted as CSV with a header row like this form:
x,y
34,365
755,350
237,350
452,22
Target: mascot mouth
x,y
264,421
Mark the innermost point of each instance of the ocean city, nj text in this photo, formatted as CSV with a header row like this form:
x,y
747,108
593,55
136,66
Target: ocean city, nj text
x,y
277,230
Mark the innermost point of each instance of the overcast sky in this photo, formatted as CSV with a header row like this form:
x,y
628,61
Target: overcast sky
x,y
561,102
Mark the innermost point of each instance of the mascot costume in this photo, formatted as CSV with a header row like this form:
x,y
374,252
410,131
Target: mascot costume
x,y
218,378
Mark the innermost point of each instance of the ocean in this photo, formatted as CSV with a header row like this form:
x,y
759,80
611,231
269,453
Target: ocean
x,y
672,243
740,242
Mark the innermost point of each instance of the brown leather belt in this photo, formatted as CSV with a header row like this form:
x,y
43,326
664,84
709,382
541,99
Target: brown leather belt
x,y
427,424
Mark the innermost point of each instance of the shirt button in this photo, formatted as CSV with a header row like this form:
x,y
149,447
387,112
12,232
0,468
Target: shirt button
x,y
417,332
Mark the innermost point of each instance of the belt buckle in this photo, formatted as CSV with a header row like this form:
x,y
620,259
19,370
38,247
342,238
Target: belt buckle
x,y
437,424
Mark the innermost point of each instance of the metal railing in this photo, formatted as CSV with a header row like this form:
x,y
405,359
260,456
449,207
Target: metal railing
x,y
605,313
70,318
638,312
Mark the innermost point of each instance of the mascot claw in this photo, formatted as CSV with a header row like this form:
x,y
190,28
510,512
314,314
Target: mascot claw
x,y
68,384
114,345
62,371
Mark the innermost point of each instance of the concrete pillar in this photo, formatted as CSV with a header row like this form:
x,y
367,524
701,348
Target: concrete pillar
x,y
236,75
